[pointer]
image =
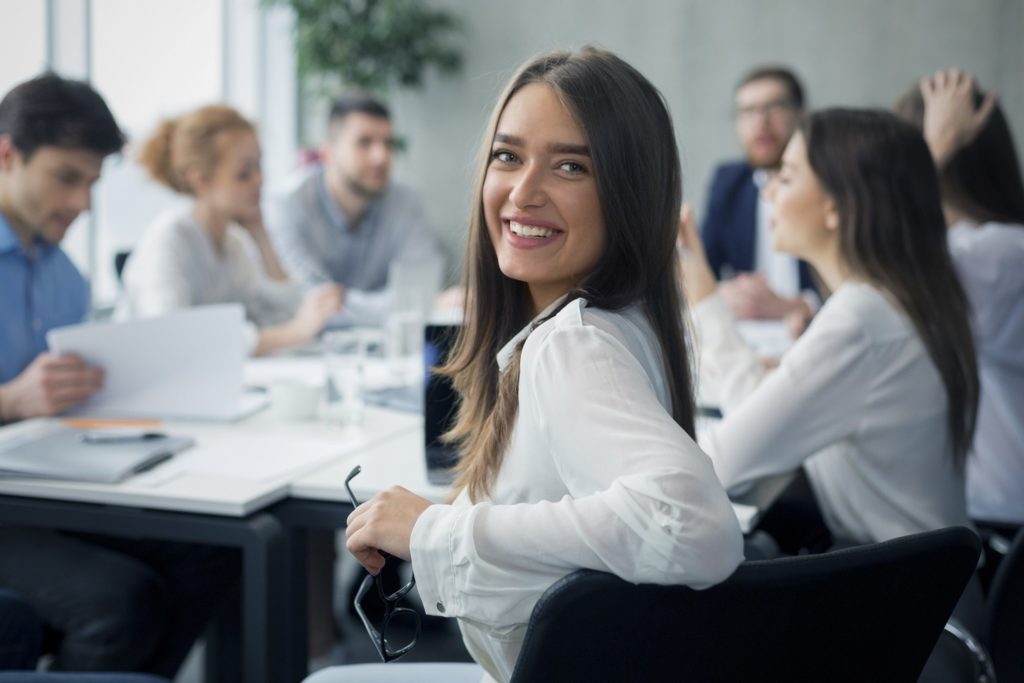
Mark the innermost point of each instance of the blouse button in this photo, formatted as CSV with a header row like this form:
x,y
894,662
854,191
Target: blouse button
x,y
440,607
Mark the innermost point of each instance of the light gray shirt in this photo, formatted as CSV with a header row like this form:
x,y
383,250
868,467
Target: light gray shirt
x,y
175,265
317,243
990,261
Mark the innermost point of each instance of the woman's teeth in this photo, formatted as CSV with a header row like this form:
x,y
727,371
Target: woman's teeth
x,y
529,230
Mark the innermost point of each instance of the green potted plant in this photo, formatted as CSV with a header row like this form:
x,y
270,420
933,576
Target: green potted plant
x,y
372,44
366,44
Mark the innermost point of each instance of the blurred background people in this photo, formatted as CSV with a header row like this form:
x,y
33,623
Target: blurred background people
x,y
875,404
346,221
983,200
107,604
217,250
758,282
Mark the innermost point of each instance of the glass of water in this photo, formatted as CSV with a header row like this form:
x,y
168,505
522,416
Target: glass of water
x,y
405,345
345,357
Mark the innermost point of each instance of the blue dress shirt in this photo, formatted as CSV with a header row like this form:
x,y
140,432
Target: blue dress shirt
x,y
38,292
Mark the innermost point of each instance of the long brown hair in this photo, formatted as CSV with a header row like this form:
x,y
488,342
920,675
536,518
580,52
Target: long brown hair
x,y
191,141
636,165
982,179
880,174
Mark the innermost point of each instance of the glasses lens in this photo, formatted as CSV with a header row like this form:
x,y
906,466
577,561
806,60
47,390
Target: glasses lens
x,y
393,630
401,630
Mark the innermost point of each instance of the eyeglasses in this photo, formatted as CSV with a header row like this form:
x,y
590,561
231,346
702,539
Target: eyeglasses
x,y
395,618
768,109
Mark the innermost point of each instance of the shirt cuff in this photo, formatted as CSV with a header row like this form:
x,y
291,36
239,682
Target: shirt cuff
x,y
712,321
434,557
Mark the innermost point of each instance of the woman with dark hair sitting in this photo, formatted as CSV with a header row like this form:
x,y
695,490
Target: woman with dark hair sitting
x,y
876,402
576,419
983,199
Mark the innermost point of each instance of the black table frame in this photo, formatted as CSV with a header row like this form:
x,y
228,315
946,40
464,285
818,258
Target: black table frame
x,y
267,593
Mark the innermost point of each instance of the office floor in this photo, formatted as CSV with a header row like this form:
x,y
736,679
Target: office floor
x,y
439,641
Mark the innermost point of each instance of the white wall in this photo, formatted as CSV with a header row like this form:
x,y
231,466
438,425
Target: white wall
x,y
850,52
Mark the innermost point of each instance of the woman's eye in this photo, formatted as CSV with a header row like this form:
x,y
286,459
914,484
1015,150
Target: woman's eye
x,y
572,167
503,156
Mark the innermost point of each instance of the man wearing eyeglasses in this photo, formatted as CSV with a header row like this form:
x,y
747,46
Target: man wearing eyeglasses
x,y
347,221
759,282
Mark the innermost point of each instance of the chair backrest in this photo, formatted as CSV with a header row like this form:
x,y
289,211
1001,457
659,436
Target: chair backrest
x,y
871,612
1005,627
120,259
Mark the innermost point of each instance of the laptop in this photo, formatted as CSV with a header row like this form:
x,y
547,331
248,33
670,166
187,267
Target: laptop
x,y
51,450
439,405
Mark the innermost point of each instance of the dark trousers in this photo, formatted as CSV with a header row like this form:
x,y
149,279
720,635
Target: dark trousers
x,y
21,633
794,520
117,604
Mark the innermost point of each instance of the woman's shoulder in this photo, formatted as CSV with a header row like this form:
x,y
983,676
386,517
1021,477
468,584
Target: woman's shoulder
x,y
864,311
582,328
987,249
173,224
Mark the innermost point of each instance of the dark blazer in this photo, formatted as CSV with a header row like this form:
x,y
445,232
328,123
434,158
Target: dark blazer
x,y
730,223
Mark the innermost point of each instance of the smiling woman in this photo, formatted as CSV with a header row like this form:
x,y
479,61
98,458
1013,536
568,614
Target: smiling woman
x,y
575,424
540,197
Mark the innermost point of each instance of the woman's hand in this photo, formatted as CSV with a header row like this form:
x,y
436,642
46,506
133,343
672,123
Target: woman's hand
x,y
383,524
950,119
698,280
317,307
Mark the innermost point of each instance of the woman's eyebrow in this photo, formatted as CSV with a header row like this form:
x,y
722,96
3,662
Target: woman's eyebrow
x,y
557,147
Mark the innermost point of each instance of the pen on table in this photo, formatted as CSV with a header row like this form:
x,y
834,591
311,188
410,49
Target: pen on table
x,y
120,437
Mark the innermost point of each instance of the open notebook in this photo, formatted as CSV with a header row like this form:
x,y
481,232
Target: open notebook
x,y
52,450
184,365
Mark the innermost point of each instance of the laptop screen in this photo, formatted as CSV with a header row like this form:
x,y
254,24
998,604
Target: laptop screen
x,y
439,402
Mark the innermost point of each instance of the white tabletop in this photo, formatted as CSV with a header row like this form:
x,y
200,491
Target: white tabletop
x,y
235,468
397,461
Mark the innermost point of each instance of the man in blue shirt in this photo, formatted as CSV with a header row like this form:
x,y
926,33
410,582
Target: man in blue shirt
x,y
114,604
43,188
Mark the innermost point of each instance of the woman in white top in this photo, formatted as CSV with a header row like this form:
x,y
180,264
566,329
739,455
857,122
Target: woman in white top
x,y
576,416
983,197
217,250
877,399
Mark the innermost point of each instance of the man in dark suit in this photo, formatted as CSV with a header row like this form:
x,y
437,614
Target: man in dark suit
x,y
759,282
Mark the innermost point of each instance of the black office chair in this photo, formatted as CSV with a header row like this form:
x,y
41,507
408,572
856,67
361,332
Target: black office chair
x,y
1005,615
120,259
997,653
867,613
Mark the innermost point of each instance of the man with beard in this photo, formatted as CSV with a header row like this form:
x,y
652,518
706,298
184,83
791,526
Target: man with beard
x,y
761,283
346,222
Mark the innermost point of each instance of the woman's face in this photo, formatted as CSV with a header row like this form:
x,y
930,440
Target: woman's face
x,y
234,187
803,219
540,196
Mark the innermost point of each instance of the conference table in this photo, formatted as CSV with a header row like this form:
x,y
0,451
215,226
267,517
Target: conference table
x,y
217,493
259,485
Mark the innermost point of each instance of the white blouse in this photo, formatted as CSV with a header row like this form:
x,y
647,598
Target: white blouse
x,y
597,475
175,265
990,261
856,400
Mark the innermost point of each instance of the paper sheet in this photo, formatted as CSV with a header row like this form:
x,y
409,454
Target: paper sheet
x,y
185,365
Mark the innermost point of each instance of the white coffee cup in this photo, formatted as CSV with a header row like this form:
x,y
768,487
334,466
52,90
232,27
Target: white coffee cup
x,y
293,400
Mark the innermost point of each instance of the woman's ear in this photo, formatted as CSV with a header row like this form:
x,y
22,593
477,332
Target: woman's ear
x,y
831,215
